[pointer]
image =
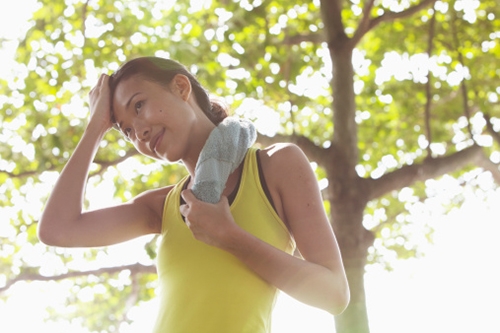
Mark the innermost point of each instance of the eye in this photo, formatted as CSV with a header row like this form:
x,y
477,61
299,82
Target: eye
x,y
138,106
127,132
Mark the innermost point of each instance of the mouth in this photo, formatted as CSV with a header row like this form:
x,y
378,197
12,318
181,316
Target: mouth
x,y
153,145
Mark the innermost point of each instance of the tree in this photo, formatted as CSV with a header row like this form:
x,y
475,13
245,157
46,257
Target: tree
x,y
382,96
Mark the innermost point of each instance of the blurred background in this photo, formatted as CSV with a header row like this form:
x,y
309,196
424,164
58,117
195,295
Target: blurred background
x,y
395,103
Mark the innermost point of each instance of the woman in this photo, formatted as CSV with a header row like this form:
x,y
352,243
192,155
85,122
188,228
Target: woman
x,y
219,265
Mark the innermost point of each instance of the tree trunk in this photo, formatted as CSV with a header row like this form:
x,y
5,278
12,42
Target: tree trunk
x,y
354,243
355,318
348,192
347,209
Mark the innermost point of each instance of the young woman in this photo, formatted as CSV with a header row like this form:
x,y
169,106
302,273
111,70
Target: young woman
x,y
219,265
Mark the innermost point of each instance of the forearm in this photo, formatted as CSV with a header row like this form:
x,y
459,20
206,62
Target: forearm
x,y
308,282
66,199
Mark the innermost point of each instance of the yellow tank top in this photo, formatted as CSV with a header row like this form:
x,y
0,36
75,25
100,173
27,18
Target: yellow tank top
x,y
203,289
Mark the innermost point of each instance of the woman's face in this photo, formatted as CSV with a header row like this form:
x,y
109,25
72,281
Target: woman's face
x,y
155,118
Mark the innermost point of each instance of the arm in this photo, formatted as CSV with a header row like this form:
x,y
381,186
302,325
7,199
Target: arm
x,y
318,279
63,222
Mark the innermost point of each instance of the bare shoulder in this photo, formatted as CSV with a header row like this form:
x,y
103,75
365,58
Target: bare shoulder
x,y
296,188
153,194
153,201
282,160
280,154
289,177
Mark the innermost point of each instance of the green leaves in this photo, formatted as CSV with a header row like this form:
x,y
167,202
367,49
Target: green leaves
x,y
252,54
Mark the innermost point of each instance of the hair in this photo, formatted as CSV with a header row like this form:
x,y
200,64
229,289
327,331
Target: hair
x,y
162,71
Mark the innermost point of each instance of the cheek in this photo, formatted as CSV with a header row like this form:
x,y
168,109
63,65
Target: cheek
x,y
141,148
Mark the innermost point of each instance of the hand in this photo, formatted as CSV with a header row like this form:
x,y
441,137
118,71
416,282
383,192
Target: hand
x,y
212,224
100,104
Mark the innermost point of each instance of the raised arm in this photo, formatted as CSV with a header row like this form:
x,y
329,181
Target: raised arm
x,y
319,278
63,221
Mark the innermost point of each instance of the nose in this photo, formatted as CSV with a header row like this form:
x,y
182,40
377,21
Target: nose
x,y
142,131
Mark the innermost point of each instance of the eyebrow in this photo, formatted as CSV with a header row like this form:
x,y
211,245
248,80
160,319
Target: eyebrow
x,y
126,107
130,99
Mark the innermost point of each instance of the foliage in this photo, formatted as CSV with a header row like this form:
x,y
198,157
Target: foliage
x,y
251,53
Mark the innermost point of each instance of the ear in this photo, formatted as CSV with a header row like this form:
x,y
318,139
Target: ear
x,y
181,86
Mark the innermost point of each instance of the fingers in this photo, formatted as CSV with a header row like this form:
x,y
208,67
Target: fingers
x,y
188,196
102,78
102,86
223,201
102,83
190,210
99,101
184,210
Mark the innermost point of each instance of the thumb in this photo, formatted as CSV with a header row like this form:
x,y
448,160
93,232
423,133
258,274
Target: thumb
x,y
224,200
188,196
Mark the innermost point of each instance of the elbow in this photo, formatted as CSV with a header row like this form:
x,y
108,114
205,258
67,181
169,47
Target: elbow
x,y
47,235
340,305
44,236
340,301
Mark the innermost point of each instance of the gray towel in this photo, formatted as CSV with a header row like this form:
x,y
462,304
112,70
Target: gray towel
x,y
223,152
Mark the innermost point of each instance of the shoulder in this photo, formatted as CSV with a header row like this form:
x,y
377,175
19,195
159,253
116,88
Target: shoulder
x,y
152,198
282,160
151,202
280,154
289,178
290,175
149,195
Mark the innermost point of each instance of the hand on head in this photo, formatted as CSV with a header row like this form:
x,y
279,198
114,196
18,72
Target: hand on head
x,y
100,104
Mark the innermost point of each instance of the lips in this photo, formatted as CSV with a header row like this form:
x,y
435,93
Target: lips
x,y
156,141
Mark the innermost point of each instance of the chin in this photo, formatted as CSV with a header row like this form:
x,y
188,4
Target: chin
x,y
169,158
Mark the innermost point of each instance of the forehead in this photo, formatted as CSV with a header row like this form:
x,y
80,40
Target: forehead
x,y
126,89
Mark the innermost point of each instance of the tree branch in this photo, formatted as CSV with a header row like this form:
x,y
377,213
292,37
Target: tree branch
x,y
315,38
429,168
463,85
488,165
428,86
313,152
391,16
106,164
132,298
103,166
84,18
27,173
364,24
331,11
31,276
490,129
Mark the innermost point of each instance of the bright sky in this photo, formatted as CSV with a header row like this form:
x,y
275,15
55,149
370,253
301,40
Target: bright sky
x,y
454,288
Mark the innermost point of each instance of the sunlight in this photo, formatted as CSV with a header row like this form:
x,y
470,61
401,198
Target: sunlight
x,y
14,20
310,84
13,24
452,288
265,119
443,286
416,67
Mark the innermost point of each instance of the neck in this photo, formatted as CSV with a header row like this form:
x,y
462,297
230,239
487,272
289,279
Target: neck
x,y
200,136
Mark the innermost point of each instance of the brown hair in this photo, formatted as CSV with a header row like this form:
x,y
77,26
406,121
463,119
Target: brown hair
x,y
162,71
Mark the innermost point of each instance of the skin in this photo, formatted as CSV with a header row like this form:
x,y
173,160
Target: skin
x,y
166,123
